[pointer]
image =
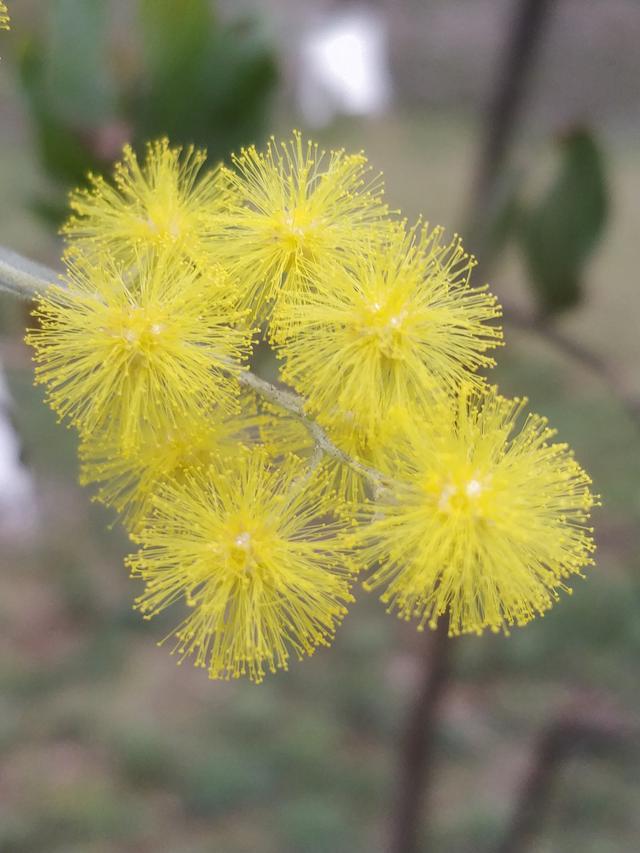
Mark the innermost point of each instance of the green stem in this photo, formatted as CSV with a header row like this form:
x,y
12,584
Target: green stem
x,y
295,405
26,279
22,277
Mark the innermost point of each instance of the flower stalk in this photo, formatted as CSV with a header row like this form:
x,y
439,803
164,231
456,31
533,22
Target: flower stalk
x,y
26,279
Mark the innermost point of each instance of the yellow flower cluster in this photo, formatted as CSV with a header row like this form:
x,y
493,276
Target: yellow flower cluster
x,y
254,510
486,519
4,17
249,549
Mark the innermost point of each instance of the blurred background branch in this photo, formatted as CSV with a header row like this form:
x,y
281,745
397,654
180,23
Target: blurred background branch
x,y
584,726
574,350
557,237
523,37
416,771
417,748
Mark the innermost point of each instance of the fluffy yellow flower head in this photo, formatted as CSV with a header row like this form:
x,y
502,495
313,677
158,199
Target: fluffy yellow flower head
x,y
400,325
487,519
166,201
4,17
124,352
296,208
127,482
248,550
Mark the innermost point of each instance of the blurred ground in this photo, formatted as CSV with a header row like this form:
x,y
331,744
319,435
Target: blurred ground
x,y
107,746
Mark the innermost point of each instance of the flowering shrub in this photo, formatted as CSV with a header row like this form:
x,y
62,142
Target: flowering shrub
x,y
255,509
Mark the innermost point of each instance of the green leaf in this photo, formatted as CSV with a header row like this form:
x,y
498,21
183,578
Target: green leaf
x,y
174,49
68,89
78,79
174,36
503,218
203,82
560,232
195,80
62,151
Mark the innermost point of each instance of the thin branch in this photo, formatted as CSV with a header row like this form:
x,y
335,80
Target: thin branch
x,y
523,39
582,726
22,277
295,405
417,748
543,328
26,279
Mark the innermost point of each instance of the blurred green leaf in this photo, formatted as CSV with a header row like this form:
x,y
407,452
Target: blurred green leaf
x,y
62,142
174,50
193,79
316,825
560,232
170,41
226,780
203,82
504,218
78,78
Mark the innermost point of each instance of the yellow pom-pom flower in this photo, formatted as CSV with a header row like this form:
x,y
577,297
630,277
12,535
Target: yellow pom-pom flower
x,y
249,550
4,17
400,325
487,519
295,208
164,201
124,352
127,482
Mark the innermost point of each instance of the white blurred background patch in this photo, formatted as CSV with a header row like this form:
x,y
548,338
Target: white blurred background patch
x,y
344,67
18,502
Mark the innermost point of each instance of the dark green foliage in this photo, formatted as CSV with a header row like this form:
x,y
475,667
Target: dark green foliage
x,y
309,825
202,82
228,779
145,758
194,79
562,229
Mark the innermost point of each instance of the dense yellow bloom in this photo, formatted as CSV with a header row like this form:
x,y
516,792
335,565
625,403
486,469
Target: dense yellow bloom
x,y
247,548
400,325
4,17
166,201
124,352
127,482
486,522
246,517
294,209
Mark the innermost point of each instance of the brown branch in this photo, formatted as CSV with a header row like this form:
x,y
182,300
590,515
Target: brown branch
x,y
417,746
524,37
416,769
544,328
581,727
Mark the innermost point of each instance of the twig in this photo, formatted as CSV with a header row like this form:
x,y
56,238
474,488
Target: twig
x,y
594,363
417,748
295,405
22,277
26,279
584,727
523,40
